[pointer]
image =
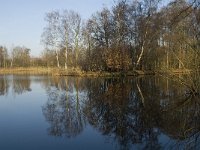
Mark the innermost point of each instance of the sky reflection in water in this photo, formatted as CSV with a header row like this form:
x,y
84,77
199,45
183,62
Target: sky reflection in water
x,y
41,112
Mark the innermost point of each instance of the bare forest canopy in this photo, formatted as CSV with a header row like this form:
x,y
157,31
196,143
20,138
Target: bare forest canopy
x,y
131,35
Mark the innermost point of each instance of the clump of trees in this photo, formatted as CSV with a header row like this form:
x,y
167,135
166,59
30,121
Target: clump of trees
x,y
18,56
130,35
3,56
62,38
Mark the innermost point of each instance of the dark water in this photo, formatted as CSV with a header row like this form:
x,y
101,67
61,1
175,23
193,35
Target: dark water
x,y
41,112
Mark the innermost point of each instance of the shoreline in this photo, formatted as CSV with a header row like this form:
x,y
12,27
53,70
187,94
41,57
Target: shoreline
x,y
76,72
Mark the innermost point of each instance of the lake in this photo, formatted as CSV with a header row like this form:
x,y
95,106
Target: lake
x,y
59,113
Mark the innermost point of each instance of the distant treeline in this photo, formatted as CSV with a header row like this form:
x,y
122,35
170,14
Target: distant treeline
x,y
130,35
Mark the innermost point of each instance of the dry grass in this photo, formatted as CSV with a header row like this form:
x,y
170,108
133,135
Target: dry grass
x,y
31,70
69,72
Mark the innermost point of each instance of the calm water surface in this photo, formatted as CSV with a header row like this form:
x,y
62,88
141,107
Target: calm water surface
x,y
41,112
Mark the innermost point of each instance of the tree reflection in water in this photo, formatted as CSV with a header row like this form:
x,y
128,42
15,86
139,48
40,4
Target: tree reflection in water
x,y
131,112
117,111
18,84
21,84
63,109
4,85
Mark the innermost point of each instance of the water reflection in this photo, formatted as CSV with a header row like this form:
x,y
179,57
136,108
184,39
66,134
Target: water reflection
x,y
18,84
21,84
63,109
4,85
129,112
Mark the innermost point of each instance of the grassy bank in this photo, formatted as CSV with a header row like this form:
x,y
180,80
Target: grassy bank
x,y
78,72
31,70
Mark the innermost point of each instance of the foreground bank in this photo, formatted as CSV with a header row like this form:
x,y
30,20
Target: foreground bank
x,y
78,72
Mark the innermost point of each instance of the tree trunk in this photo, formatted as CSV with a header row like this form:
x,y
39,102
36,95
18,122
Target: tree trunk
x,y
66,50
66,58
4,59
167,59
140,56
11,63
57,59
76,50
142,51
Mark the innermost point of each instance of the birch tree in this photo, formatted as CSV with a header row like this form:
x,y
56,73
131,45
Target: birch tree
x,y
75,24
65,33
51,34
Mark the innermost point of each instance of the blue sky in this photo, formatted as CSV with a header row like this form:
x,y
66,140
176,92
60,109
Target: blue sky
x,y
22,21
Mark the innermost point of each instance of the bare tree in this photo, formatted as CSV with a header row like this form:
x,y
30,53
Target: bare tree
x,y
75,25
3,56
65,33
20,56
50,36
